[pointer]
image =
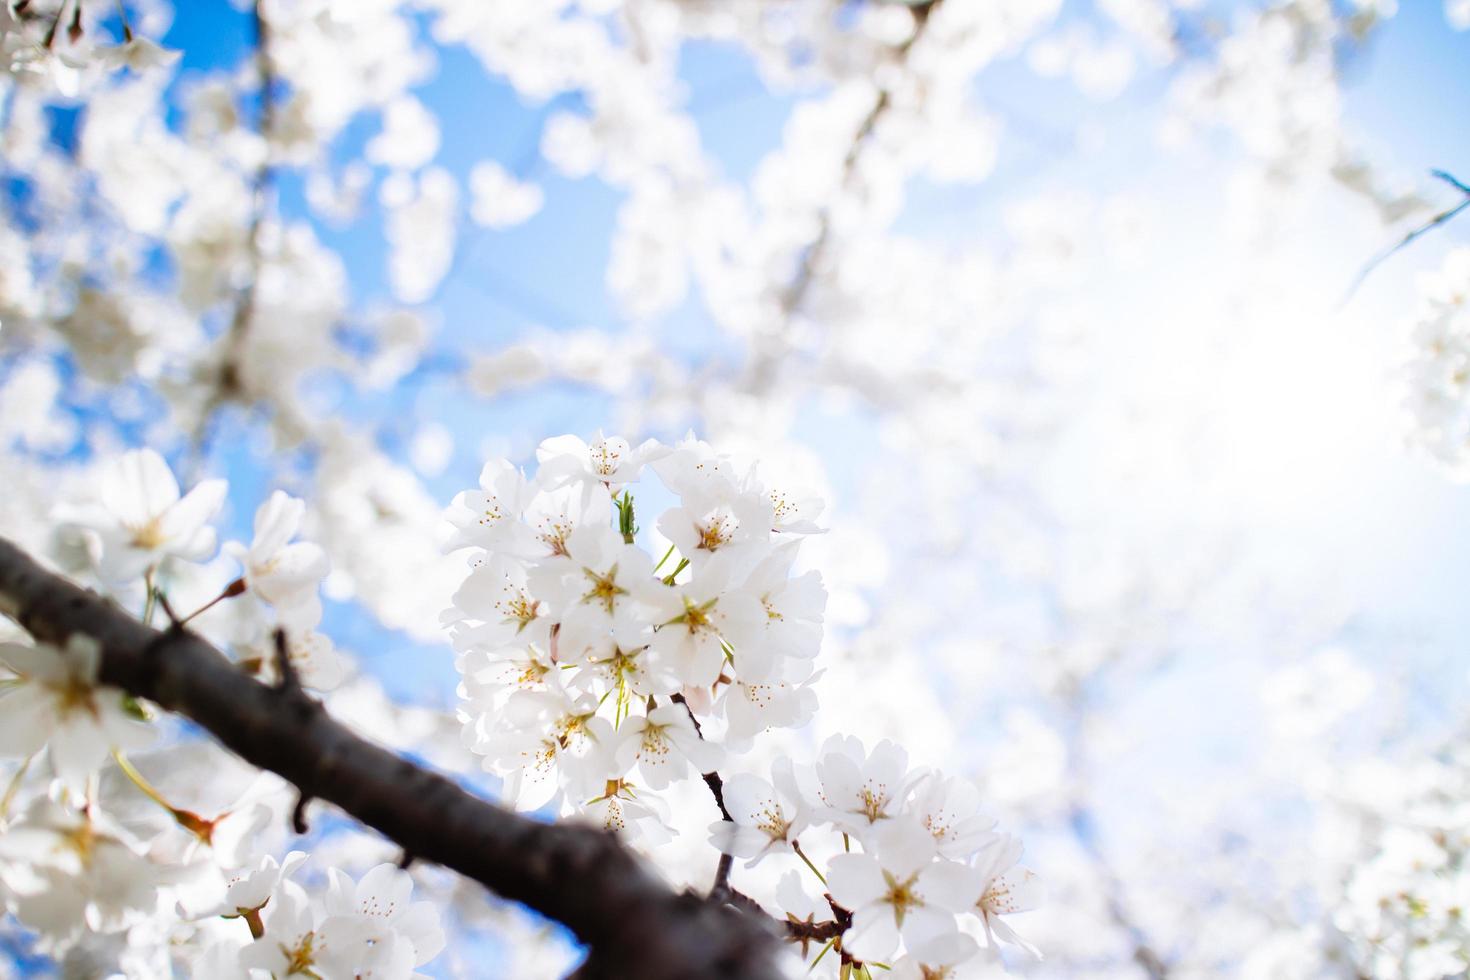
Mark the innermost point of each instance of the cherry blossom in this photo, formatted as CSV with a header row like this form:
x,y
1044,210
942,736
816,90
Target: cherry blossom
x,y
899,892
138,517
286,574
56,704
768,816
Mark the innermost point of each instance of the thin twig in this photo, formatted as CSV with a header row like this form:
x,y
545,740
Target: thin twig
x,y
1428,226
720,890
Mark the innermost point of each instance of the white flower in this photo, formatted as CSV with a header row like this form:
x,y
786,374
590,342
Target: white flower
x,y
546,742
750,708
139,518
622,659
793,608
141,54
860,790
248,890
694,468
767,816
497,598
590,586
57,704
554,514
287,575
697,620
899,892
490,516
488,674
67,871
498,200
613,462
794,513
1008,888
373,929
708,523
936,959
290,945
949,808
641,819
664,744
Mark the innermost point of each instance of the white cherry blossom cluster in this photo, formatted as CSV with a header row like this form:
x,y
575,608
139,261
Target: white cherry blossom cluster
x,y
916,865
91,847
596,674
1396,841
594,669
138,529
1438,373
53,42
366,928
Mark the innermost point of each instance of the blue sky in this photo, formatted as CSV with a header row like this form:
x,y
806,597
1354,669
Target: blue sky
x,y
1381,523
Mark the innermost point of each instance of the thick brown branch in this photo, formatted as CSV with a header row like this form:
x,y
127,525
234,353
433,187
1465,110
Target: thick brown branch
x,y
634,924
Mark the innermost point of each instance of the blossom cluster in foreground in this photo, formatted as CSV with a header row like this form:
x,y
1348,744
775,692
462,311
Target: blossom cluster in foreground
x,y
80,865
596,674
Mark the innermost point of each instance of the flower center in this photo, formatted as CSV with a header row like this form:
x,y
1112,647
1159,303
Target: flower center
x,y
605,589
901,896
302,957
714,534
520,609
149,536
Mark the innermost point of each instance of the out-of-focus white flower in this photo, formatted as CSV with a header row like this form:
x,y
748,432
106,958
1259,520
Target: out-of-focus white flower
x,y
286,574
290,945
139,518
69,870
410,135
498,199
249,890
57,704
1438,373
372,928
421,225
141,54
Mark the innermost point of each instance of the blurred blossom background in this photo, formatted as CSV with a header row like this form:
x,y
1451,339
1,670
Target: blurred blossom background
x,y
1143,479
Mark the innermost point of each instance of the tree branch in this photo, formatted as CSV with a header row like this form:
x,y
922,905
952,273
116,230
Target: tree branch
x,y
812,259
1428,226
634,924
720,891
